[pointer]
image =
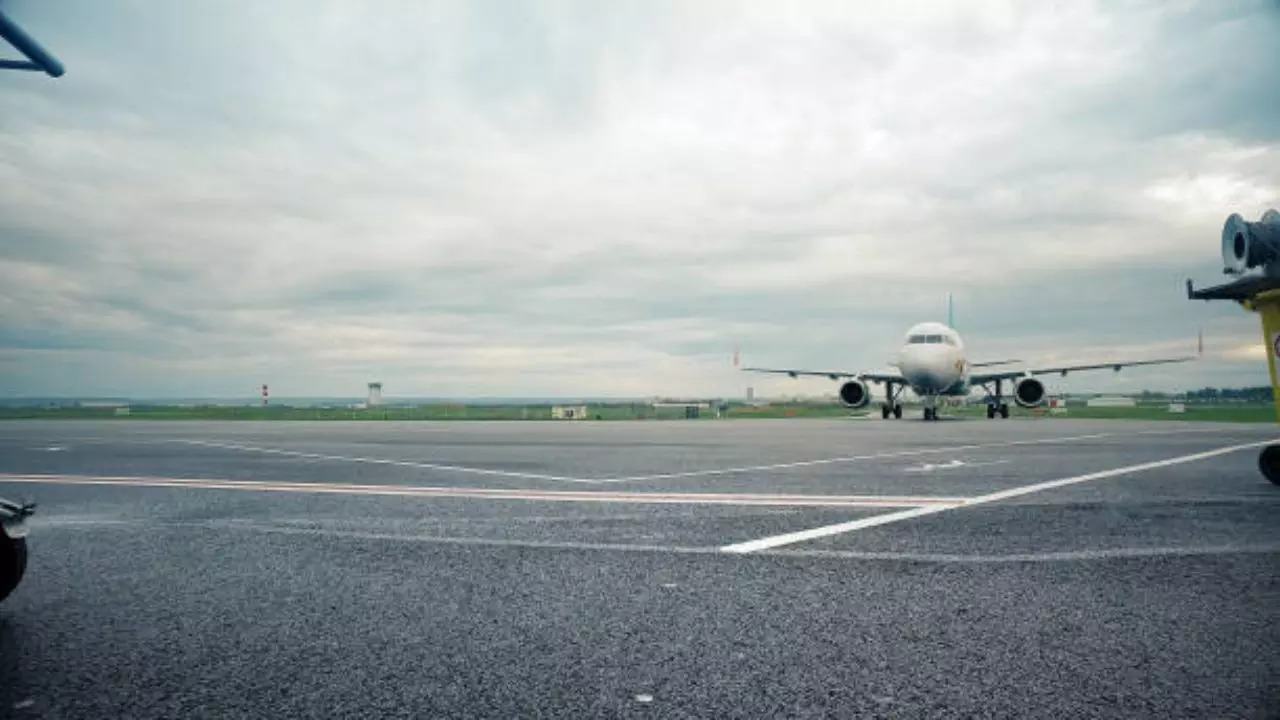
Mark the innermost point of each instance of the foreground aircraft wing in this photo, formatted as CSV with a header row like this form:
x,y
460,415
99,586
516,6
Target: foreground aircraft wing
x,y
830,374
980,378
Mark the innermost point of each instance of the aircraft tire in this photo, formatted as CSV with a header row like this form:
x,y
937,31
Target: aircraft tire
x,y
13,563
991,412
1269,463
884,412
897,412
1004,411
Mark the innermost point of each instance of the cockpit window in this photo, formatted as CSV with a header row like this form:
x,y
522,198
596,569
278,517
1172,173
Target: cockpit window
x,y
930,340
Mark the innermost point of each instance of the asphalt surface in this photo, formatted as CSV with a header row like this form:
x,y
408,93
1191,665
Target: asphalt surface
x,y
369,570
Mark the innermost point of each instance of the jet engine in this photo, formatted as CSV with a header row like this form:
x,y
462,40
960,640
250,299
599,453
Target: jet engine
x,y
1029,393
854,394
1248,245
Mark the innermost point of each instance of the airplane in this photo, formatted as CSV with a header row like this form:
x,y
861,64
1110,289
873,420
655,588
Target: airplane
x,y
933,363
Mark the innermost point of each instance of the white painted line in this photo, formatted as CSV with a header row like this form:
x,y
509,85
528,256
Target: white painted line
x,y
1039,557
668,476
635,478
930,467
854,458
496,494
452,540
829,530
380,461
1067,556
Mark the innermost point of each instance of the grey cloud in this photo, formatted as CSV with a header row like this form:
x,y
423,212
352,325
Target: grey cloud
x,y
553,198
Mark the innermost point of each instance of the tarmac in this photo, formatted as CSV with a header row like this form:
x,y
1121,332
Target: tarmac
x,y
754,568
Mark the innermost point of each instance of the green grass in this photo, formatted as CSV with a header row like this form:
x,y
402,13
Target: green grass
x,y
625,411
1194,413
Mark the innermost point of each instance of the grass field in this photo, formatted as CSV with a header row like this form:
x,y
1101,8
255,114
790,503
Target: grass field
x,y
621,411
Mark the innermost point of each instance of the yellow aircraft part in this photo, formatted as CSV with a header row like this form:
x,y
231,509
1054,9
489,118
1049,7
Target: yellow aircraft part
x,y
1267,304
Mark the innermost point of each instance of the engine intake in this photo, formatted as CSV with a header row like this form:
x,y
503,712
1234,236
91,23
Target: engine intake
x,y
854,394
1029,393
1248,245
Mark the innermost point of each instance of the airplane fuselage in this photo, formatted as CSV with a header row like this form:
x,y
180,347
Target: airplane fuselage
x,y
933,361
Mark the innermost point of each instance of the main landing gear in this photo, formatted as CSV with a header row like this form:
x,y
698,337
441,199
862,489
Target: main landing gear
x,y
895,411
995,402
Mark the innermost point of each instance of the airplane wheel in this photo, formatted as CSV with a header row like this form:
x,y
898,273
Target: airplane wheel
x,y
1269,463
13,563
1004,410
884,411
991,412
897,412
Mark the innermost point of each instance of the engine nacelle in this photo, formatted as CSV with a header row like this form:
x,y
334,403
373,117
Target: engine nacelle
x,y
1029,393
1248,245
854,394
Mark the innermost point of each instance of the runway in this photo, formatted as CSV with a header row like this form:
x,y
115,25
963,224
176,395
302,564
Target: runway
x,y
671,569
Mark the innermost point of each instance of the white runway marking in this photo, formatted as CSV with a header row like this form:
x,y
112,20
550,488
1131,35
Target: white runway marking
x,y
380,461
498,494
854,458
944,558
829,530
953,464
770,467
1036,557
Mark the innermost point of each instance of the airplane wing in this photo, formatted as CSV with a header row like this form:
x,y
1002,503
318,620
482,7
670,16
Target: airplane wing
x,y
992,363
831,374
980,378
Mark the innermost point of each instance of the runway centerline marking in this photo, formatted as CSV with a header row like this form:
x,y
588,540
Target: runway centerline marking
x,y
746,499
775,541
769,467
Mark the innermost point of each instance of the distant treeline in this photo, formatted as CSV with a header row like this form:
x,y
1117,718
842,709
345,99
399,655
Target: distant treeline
x,y
1260,394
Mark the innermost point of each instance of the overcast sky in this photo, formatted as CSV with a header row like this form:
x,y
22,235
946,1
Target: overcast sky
x,y
605,198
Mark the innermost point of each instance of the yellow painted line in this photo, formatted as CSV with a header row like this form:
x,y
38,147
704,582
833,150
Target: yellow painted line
x,y
495,494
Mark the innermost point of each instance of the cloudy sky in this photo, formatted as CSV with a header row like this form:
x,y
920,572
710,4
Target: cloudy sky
x,y
605,198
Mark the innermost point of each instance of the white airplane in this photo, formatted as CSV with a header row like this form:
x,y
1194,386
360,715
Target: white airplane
x,y
932,362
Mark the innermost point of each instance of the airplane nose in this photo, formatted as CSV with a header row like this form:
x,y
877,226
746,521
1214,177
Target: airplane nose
x,y
930,367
